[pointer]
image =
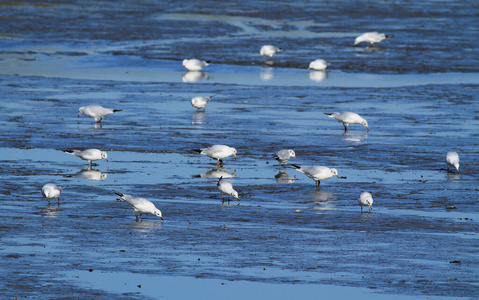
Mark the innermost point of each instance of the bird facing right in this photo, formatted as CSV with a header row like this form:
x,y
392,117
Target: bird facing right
x,y
348,118
317,173
226,188
195,64
371,37
269,50
452,159
283,156
140,205
366,199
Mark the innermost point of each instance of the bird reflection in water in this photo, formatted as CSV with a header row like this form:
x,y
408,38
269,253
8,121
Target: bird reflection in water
x,y
266,74
317,76
194,76
283,178
216,173
146,227
198,118
90,174
354,137
324,200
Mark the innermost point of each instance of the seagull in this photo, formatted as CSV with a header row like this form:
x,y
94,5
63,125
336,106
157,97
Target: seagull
x,y
225,187
365,199
318,65
89,154
452,159
269,50
217,152
51,191
141,205
200,102
96,111
195,64
317,173
283,156
348,118
371,37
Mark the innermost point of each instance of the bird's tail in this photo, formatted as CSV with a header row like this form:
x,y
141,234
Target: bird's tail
x,y
219,180
330,114
118,193
280,49
389,36
296,166
198,150
72,152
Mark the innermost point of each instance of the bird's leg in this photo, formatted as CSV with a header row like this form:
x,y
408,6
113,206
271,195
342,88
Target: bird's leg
x,y
141,217
285,166
346,127
361,209
58,201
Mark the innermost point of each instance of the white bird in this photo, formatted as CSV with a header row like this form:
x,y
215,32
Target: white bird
x,y
140,205
318,65
452,159
366,199
217,152
317,173
96,111
51,191
348,118
371,37
269,50
195,64
88,154
283,156
200,102
226,188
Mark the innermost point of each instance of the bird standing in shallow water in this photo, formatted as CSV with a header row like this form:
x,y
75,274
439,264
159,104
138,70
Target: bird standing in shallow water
x,y
317,173
88,154
371,37
225,187
97,112
200,102
141,205
366,199
452,159
195,64
51,191
217,152
269,50
283,156
318,65
348,118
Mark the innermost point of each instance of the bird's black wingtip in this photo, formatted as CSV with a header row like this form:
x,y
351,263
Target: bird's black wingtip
x,y
118,193
296,166
197,150
117,110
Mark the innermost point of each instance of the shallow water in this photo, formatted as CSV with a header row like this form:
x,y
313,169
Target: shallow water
x,y
284,234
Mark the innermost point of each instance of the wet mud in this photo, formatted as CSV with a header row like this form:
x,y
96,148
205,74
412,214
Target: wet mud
x,y
417,90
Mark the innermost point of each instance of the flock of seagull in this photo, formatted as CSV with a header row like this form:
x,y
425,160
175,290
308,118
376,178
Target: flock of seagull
x,y
220,152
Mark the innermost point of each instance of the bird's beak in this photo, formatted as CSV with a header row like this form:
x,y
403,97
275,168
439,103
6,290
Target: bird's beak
x,y
162,218
338,176
106,159
234,156
294,157
79,114
367,128
183,66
